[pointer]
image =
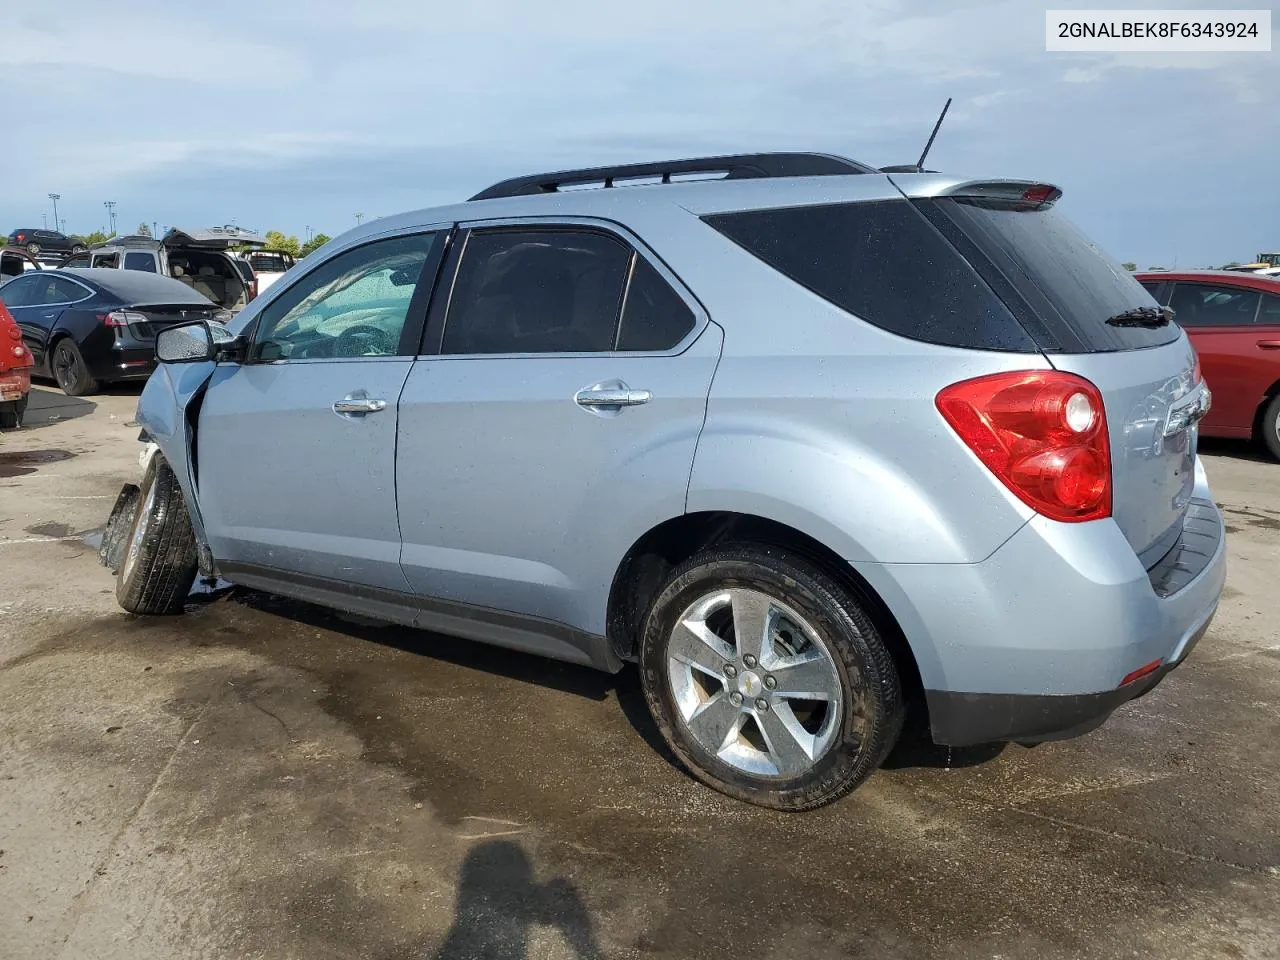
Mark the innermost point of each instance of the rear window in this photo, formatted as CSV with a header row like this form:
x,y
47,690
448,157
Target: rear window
x,y
1062,286
881,261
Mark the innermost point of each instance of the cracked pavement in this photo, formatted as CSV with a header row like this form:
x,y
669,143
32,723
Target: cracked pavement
x,y
262,778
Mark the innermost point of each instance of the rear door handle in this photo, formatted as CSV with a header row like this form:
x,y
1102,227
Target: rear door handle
x,y
611,396
1269,344
357,404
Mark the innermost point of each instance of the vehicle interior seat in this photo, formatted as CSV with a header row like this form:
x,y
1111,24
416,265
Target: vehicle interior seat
x,y
179,272
210,284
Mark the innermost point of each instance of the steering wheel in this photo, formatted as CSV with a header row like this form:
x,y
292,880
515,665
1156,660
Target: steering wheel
x,y
364,340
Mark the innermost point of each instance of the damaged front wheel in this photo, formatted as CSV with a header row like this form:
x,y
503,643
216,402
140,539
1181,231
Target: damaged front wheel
x,y
159,560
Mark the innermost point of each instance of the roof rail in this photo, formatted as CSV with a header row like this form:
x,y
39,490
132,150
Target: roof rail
x,y
734,167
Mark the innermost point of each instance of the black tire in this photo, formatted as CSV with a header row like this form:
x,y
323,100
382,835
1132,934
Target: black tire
x,y
70,371
11,413
157,578
1269,428
872,710
78,249
33,248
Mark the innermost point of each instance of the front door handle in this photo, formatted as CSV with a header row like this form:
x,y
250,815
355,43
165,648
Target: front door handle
x,y
619,395
1269,344
357,404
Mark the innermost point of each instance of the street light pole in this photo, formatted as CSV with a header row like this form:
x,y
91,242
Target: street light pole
x,y
359,217
111,213
55,197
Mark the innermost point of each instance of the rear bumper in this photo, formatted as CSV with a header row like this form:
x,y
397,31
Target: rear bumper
x,y
966,719
1034,642
126,359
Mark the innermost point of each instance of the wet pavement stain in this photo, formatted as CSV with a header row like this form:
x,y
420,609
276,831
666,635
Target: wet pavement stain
x,y
22,462
1254,518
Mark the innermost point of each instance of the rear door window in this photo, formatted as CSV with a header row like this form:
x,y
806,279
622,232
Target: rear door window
x,y
1211,305
536,291
1061,284
654,316
145,262
18,292
882,262
1269,312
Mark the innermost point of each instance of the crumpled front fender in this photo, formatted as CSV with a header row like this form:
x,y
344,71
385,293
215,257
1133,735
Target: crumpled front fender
x,y
163,411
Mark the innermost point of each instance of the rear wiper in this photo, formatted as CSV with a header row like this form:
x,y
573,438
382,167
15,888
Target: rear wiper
x,y
1142,317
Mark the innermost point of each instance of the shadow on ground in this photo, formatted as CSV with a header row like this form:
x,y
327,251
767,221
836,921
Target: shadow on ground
x,y
500,902
1239,449
46,406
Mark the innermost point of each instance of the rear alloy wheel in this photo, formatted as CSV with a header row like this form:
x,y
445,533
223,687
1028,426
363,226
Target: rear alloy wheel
x,y
70,370
1271,427
33,248
767,678
159,560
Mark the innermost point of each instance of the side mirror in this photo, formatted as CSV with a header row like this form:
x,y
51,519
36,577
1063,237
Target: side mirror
x,y
192,342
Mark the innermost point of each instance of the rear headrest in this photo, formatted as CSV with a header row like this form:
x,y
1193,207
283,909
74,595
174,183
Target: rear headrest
x,y
177,271
207,271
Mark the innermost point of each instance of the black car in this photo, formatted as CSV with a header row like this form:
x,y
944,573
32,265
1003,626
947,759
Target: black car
x,y
46,242
88,327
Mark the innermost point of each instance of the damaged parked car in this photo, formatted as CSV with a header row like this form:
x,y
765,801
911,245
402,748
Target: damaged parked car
x,y
197,258
811,444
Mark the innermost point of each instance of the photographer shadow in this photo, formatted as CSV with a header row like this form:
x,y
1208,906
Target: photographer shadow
x,y
500,901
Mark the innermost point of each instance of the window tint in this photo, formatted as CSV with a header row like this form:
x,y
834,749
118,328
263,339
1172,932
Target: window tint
x,y
882,262
80,260
1270,312
140,261
17,292
246,270
50,288
11,265
1152,287
109,260
1069,286
353,305
536,291
654,317
1203,305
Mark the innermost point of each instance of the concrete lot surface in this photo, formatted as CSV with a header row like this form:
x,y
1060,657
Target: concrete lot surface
x,y
260,778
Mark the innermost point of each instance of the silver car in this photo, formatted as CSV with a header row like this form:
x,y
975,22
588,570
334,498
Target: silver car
x,y
812,444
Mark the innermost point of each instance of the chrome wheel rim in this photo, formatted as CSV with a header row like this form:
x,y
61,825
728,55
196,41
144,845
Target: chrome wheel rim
x,y
139,531
753,683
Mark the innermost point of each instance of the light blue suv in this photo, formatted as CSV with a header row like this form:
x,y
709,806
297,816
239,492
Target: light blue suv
x,y
811,443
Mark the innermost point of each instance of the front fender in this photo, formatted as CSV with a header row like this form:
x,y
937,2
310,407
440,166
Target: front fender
x,y
163,413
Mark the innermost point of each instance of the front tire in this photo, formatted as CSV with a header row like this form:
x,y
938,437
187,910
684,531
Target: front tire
x,y
1270,427
768,679
79,249
70,371
159,561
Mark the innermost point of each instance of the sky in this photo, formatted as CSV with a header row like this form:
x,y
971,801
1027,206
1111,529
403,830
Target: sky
x,y
293,115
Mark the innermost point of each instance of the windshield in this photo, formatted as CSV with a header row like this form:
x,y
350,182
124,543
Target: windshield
x,y
1070,285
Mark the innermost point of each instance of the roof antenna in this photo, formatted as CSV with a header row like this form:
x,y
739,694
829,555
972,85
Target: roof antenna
x,y
936,126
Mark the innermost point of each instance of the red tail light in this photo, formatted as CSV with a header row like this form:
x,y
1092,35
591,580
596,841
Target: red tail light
x,y
21,237
120,318
1043,434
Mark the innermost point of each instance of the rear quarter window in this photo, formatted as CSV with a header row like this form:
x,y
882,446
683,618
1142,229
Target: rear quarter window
x,y
883,262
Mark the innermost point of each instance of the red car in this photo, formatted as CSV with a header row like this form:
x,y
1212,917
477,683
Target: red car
x,y
15,371
1233,320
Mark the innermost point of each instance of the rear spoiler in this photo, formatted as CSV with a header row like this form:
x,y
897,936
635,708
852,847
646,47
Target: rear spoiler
x,y
1019,194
